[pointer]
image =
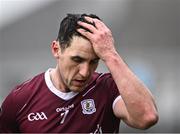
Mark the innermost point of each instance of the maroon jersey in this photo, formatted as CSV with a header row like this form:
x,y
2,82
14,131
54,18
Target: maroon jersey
x,y
37,106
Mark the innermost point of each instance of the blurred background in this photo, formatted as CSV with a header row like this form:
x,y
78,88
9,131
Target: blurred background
x,y
147,35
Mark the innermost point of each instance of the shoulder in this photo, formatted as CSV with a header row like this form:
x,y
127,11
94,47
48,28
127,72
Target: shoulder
x,y
14,102
28,86
20,94
106,82
101,76
105,78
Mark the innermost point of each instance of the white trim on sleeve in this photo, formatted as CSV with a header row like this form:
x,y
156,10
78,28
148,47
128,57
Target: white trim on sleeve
x,y
114,102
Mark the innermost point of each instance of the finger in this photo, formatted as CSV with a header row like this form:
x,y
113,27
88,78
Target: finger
x,y
98,23
85,33
89,19
90,27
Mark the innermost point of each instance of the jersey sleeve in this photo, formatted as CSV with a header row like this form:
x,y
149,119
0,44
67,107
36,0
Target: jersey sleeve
x,y
9,110
115,95
8,115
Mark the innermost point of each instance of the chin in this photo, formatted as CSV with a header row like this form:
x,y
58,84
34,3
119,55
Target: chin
x,y
77,89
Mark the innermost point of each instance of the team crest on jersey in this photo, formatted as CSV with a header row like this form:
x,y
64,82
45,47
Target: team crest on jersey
x,y
88,106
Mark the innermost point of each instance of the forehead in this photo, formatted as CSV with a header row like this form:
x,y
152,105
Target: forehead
x,y
80,47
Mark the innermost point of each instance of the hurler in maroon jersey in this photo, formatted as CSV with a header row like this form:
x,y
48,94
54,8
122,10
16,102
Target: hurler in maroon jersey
x,y
43,108
72,97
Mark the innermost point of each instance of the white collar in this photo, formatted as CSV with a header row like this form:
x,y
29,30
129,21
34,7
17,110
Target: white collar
x,y
53,89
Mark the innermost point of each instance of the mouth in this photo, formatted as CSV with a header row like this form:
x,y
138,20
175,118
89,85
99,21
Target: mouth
x,y
79,83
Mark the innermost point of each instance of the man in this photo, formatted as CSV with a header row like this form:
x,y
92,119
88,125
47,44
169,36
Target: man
x,y
72,97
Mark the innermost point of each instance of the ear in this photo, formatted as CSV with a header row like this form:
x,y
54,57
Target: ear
x,y
55,48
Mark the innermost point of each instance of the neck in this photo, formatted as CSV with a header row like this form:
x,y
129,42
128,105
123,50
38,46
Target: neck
x,y
57,81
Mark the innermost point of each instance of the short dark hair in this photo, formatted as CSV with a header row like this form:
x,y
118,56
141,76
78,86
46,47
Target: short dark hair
x,y
69,26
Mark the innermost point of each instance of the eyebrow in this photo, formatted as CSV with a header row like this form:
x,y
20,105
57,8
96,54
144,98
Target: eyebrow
x,y
96,58
81,58
74,57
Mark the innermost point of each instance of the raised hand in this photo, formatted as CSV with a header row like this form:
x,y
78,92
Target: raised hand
x,y
100,36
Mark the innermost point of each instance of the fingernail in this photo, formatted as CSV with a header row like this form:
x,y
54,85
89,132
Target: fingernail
x,y
79,22
79,29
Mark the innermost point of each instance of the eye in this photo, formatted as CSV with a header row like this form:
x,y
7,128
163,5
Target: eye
x,y
95,61
77,59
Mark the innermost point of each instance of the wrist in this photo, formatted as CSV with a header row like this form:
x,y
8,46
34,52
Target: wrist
x,y
112,57
114,61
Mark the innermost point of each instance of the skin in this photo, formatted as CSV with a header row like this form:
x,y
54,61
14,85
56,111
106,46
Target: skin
x,y
75,65
137,107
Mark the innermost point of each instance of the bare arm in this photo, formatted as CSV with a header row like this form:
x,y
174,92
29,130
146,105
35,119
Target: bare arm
x,y
137,107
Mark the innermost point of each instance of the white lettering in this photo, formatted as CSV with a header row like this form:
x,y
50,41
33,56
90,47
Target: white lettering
x,y
64,112
60,109
98,130
37,116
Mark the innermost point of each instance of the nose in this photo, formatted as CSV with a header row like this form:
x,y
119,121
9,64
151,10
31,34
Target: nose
x,y
84,70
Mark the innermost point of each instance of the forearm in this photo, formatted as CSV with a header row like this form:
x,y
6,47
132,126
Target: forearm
x,y
137,98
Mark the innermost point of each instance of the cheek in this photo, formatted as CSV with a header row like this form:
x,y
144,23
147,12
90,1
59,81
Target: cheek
x,y
72,71
69,71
